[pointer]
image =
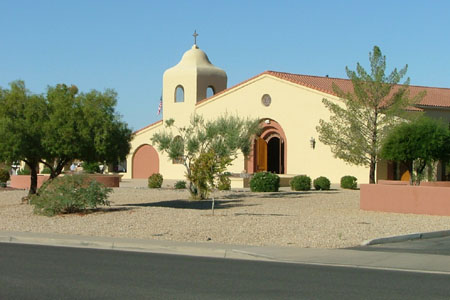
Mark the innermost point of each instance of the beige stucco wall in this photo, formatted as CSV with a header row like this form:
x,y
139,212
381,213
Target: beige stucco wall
x,y
168,169
298,110
140,138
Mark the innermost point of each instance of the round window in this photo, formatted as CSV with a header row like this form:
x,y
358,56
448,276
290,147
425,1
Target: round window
x,y
266,100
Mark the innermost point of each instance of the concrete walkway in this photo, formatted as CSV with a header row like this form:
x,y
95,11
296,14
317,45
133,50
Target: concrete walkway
x,y
335,257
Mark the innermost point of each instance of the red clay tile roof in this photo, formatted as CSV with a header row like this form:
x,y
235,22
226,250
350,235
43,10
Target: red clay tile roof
x,y
435,97
438,97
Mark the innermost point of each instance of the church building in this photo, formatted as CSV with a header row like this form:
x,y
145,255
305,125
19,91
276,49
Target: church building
x,y
289,107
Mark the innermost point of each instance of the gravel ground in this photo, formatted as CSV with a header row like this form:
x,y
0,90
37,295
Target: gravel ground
x,y
329,219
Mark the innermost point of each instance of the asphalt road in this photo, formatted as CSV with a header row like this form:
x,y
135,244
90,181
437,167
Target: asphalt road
x,y
45,272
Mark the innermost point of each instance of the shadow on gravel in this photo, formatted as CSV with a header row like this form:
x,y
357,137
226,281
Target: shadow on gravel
x,y
113,209
193,204
280,194
98,210
261,215
105,210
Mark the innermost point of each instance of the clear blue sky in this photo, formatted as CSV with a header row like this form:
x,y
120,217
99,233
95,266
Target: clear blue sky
x,y
127,45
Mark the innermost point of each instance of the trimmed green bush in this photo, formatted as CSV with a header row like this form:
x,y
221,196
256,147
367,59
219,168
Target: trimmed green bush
x,y
69,194
321,183
4,175
349,182
179,185
300,183
155,181
46,170
265,182
24,172
224,183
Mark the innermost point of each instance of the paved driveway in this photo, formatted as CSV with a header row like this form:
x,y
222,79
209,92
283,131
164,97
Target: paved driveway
x,y
439,246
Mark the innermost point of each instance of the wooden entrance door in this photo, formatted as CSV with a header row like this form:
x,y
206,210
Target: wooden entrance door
x,y
261,151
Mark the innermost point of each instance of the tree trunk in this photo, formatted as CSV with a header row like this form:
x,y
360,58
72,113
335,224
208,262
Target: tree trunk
x,y
192,188
372,171
373,156
33,182
58,169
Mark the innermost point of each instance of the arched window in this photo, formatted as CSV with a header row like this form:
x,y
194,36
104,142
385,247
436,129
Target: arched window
x,y
210,92
179,94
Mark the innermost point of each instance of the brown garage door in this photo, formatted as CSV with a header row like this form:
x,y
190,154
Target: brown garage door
x,y
145,162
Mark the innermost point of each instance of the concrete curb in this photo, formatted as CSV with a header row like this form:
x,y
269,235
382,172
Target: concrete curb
x,y
410,262
125,244
407,237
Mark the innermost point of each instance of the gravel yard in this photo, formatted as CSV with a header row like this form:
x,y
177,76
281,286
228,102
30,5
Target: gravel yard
x,y
315,219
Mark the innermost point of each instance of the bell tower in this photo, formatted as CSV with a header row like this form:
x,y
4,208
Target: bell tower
x,y
193,79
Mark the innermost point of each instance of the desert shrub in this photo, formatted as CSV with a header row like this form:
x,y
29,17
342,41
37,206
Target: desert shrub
x,y
91,167
179,185
349,182
46,170
155,181
206,172
69,194
224,183
4,175
265,182
321,183
24,172
300,183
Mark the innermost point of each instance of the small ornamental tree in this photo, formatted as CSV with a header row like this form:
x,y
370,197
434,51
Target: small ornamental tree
x,y
376,103
418,144
206,172
218,140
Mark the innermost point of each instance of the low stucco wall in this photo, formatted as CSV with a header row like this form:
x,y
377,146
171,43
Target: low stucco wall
x,y
393,182
436,183
429,200
107,180
24,181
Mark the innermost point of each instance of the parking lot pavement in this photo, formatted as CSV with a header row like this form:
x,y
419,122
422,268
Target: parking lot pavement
x,y
437,246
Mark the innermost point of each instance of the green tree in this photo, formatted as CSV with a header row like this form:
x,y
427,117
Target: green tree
x,y
60,127
83,126
21,117
222,138
418,144
359,124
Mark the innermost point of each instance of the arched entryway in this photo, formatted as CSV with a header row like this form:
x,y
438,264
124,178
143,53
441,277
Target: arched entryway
x,y
274,149
269,150
145,162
